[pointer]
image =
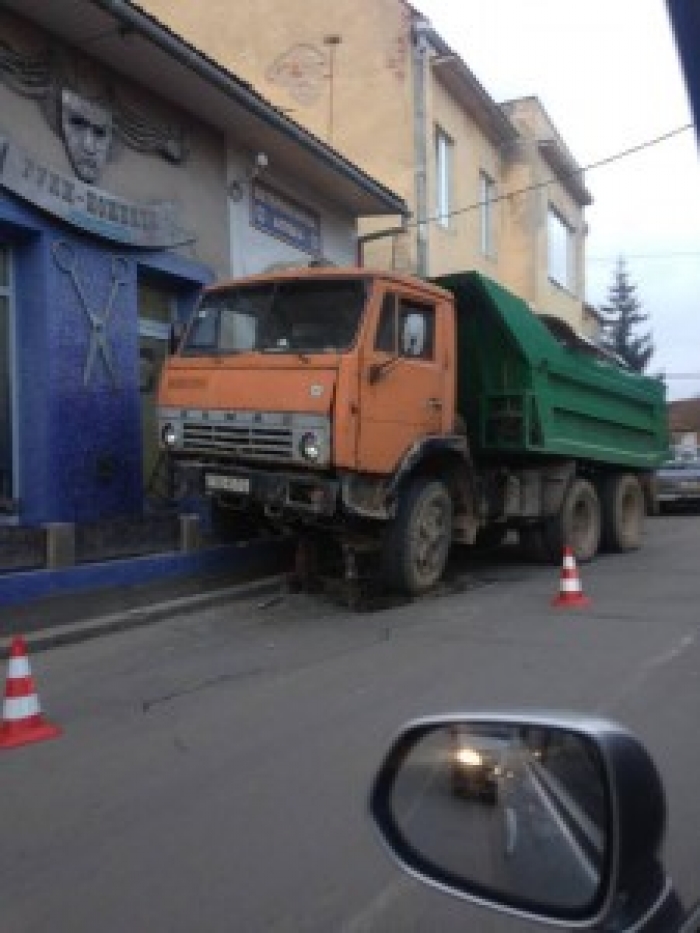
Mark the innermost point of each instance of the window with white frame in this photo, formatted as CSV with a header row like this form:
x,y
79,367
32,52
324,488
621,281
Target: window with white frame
x,y
561,251
443,176
487,195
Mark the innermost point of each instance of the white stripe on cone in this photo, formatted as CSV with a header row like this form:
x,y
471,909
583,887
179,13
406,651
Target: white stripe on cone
x,y
569,562
570,586
18,667
15,708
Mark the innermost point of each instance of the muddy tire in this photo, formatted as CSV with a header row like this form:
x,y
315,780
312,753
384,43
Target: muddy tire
x,y
417,542
577,524
623,508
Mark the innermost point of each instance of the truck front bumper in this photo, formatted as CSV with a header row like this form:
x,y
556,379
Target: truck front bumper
x,y
276,493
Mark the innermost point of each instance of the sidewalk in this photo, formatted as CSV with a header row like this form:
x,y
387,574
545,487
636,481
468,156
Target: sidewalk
x,y
134,592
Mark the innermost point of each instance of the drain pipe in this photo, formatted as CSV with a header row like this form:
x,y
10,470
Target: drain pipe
x,y
421,49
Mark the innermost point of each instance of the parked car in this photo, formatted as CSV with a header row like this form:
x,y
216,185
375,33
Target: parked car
x,y
678,483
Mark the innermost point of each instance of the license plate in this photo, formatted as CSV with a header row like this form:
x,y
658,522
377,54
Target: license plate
x,y
239,484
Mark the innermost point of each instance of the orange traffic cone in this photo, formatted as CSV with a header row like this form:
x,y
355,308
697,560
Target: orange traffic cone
x,y
22,720
570,590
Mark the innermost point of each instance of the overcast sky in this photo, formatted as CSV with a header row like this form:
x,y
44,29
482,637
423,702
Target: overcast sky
x,y
607,73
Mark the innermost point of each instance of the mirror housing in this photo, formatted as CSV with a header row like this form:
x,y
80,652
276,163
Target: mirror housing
x,y
378,370
549,817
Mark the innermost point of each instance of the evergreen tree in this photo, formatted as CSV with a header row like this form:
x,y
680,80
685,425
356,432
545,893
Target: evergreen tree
x,y
621,317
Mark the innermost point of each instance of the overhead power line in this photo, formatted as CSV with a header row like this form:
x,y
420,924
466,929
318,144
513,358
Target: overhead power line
x,y
607,160
669,255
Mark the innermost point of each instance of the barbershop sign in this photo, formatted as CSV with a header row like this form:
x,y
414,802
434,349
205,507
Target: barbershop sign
x,y
278,215
83,205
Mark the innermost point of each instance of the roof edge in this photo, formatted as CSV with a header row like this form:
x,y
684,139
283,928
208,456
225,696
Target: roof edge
x,y
499,125
134,17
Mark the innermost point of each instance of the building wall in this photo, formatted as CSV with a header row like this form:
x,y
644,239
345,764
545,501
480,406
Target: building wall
x,y
81,440
76,435
458,245
289,62
282,49
367,111
525,232
253,249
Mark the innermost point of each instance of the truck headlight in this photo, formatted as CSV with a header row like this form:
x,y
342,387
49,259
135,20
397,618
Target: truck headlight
x,y
310,446
169,435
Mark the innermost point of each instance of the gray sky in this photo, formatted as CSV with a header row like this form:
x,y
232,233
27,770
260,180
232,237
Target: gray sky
x,y
607,73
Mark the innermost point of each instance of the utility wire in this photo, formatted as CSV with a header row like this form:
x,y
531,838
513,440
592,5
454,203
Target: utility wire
x,y
626,256
544,184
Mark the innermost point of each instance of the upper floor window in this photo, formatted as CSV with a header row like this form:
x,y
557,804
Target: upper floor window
x,y
443,176
487,195
561,251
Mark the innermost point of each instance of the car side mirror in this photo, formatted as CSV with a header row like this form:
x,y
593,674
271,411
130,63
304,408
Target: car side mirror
x,y
558,819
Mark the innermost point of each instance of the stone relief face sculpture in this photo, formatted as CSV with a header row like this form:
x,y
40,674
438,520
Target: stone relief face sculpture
x,y
90,111
86,127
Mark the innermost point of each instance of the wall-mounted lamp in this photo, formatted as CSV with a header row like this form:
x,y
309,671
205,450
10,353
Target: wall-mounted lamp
x,y
260,164
236,187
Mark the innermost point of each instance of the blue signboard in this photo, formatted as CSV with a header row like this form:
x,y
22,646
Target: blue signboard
x,y
279,216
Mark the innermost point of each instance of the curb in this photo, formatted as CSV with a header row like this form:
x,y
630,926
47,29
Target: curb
x,y
71,634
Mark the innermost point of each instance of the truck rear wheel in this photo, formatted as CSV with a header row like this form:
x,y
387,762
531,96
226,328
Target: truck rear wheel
x,y
623,505
576,525
417,542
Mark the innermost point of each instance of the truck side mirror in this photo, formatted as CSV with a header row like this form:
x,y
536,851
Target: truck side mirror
x,y
177,332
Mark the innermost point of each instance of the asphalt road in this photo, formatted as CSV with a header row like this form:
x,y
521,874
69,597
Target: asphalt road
x,y
214,768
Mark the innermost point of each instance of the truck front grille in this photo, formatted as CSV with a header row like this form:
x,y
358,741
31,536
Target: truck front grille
x,y
256,441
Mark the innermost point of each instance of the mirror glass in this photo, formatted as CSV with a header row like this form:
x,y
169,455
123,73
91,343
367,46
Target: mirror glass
x,y
516,813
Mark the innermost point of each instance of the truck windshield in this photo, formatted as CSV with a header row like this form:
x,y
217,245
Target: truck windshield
x,y
281,317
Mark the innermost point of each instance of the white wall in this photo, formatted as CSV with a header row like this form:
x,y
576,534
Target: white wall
x,y
253,250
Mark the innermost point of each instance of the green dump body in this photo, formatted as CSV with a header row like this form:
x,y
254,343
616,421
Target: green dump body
x,y
525,393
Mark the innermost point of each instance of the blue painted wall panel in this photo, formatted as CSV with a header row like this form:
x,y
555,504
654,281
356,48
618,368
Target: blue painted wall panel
x,y
80,444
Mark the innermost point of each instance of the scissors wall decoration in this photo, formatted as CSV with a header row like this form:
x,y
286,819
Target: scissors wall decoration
x,y
65,258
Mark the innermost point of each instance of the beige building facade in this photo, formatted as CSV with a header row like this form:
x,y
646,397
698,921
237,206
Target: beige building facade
x,y
490,187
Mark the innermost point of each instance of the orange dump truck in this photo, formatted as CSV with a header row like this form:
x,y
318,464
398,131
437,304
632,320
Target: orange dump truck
x,y
400,415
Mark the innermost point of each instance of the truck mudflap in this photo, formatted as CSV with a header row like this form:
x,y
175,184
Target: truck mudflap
x,y
275,493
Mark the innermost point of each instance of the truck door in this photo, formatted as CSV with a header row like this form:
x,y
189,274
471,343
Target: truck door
x,y
404,380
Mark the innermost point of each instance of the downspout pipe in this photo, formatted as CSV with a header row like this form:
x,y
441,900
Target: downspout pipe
x,y
421,50
136,20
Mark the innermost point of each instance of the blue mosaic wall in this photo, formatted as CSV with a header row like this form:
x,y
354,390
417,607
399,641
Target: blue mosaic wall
x,y
79,425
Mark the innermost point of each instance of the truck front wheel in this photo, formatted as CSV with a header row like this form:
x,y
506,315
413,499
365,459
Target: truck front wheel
x,y
576,525
417,542
623,506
